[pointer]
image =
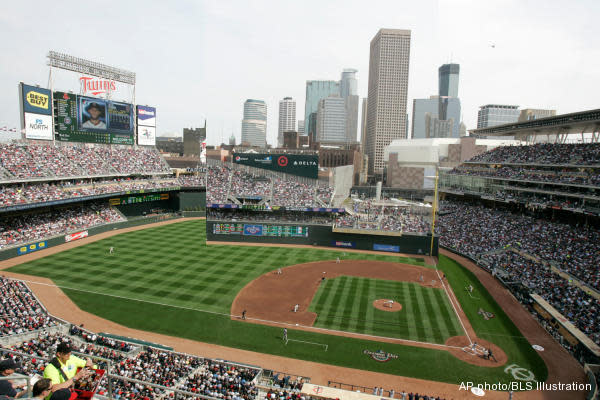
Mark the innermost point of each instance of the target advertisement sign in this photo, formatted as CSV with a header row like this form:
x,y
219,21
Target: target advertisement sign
x,y
293,164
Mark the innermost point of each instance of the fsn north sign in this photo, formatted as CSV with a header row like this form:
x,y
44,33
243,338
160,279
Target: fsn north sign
x,y
96,86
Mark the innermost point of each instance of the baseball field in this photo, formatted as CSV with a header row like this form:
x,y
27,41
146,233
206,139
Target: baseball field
x,y
168,280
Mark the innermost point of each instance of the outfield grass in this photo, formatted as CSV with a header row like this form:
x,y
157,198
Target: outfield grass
x,y
345,303
165,279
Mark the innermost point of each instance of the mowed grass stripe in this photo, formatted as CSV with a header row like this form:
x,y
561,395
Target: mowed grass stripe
x,y
354,304
325,307
432,317
426,316
440,319
333,308
364,306
417,313
450,314
407,315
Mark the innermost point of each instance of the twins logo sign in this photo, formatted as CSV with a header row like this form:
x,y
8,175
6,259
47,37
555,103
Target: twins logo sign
x,y
380,355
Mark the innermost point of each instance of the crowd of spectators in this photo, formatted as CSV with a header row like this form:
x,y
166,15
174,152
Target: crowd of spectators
x,y
15,194
223,381
390,218
544,153
578,306
20,312
486,234
224,182
100,340
15,230
590,177
26,161
475,229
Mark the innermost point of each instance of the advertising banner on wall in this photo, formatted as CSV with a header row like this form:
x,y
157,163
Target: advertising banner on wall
x,y
343,243
38,126
76,236
36,100
294,164
146,135
253,230
386,247
146,116
32,247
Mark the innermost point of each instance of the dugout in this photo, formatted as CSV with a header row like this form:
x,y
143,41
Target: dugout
x,y
317,235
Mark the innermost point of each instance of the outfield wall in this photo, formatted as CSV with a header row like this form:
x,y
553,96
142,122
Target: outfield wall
x,y
321,235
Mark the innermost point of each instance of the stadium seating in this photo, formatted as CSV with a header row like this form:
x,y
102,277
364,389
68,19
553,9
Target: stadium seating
x,y
28,161
544,153
559,175
15,194
15,230
487,234
20,312
225,182
388,218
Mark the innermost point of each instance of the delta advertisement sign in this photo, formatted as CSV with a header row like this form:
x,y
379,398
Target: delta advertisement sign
x,y
293,164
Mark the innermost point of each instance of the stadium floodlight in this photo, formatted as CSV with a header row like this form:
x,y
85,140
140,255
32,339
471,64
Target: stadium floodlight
x,y
83,66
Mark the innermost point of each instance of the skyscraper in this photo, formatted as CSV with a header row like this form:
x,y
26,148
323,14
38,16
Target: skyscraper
x,y
300,127
348,91
363,124
448,80
421,109
315,91
331,120
449,110
496,114
388,85
348,83
287,118
254,124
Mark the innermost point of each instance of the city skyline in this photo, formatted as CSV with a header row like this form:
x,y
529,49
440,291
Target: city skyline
x,y
191,84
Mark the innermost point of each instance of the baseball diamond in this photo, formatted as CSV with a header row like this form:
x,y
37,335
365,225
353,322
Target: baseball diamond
x,y
164,279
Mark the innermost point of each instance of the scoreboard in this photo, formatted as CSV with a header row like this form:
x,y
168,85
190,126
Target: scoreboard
x,y
72,115
260,230
138,198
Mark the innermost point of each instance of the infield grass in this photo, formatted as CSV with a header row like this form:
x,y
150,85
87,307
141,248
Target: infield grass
x,y
166,280
345,303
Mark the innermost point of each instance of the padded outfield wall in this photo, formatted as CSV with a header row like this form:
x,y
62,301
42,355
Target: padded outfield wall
x,y
316,235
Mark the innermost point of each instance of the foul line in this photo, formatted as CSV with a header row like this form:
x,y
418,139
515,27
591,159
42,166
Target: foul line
x,y
304,341
453,306
313,328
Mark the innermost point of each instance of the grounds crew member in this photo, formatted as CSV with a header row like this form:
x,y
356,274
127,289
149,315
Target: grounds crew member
x,y
64,365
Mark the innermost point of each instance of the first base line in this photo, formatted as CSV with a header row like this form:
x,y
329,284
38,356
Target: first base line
x,y
304,341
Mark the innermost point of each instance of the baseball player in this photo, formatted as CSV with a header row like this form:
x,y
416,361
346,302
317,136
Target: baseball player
x,y
337,260
279,271
111,250
285,334
296,307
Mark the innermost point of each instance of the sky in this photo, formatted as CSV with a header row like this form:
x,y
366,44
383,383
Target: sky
x,y
200,60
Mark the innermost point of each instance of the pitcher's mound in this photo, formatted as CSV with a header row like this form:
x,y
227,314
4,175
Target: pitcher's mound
x,y
387,305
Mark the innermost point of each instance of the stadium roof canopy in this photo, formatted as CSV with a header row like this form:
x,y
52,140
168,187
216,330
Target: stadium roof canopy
x,y
555,128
